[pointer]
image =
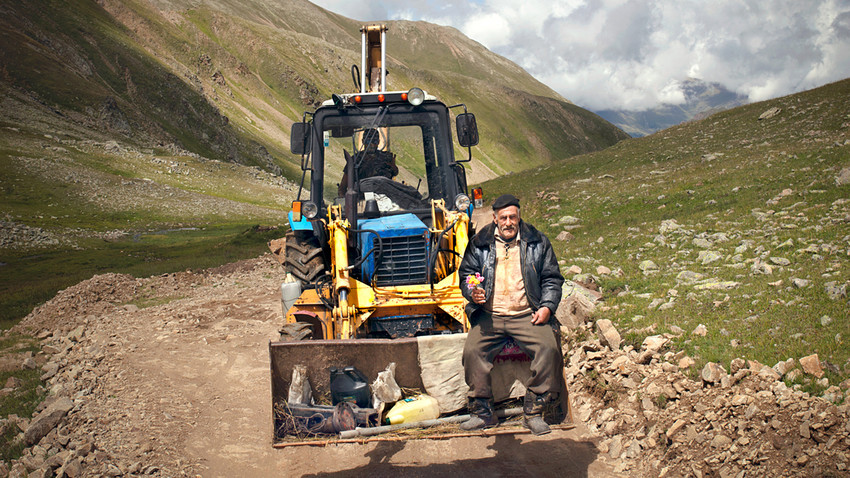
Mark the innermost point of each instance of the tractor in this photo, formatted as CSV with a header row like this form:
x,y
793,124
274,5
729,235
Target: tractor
x,y
373,253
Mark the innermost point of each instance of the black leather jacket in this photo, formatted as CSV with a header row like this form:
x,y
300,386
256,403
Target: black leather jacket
x,y
540,271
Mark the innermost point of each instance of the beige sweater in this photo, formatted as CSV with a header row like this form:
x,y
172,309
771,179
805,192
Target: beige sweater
x,y
509,290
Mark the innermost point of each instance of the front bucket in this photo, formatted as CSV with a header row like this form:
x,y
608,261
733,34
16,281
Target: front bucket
x,y
430,364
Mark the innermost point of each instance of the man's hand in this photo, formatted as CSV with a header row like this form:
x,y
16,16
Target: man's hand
x,y
478,295
541,317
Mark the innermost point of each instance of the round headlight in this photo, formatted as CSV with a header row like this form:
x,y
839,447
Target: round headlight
x,y
462,202
310,210
415,96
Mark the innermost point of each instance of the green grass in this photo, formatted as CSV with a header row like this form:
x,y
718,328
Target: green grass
x,y
25,398
31,279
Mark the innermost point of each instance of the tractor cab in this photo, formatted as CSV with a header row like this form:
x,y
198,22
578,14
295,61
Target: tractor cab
x,y
385,162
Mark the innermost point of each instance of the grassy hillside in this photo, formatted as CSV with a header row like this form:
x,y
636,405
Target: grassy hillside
x,y
745,220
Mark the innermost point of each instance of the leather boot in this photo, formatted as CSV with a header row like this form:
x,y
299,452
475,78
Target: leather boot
x,y
481,415
532,408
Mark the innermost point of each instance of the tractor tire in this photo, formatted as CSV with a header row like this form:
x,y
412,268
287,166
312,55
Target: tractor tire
x,y
296,331
304,259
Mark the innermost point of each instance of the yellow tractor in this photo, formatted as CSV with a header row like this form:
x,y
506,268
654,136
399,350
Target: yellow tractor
x,y
373,259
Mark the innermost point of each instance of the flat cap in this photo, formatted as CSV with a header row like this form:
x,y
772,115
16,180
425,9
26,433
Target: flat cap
x,y
505,200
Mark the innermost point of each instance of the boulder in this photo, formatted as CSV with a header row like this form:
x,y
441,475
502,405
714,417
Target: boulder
x,y
608,335
565,236
712,372
574,310
811,365
654,343
47,420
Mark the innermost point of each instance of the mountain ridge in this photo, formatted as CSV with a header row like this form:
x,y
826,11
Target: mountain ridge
x,y
701,100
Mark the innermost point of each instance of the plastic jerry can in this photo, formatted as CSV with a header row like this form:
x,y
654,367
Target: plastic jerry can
x,y
413,409
349,385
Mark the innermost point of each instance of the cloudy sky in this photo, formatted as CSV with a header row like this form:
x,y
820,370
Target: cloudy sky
x,y
632,54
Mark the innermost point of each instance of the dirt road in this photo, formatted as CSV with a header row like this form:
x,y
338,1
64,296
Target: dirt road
x,y
171,377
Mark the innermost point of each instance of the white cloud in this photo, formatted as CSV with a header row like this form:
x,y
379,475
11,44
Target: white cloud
x,y
633,54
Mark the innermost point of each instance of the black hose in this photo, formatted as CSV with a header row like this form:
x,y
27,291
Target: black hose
x,y
380,248
355,75
319,284
432,260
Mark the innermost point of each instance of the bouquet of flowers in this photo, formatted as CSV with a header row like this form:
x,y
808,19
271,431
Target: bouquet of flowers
x,y
473,281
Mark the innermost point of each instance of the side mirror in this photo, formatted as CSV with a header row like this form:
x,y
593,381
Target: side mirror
x,y
467,130
299,138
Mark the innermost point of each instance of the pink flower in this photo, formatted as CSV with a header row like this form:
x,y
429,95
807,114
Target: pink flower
x,y
473,281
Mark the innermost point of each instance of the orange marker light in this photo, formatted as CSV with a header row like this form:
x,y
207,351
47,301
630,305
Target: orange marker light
x,y
358,99
404,96
381,98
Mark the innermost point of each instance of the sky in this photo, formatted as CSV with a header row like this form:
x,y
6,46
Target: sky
x,y
634,54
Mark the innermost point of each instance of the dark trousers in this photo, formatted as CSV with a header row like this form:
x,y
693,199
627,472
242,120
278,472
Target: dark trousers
x,y
486,339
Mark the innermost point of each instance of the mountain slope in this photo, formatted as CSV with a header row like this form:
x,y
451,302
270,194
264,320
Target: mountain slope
x,y
739,222
226,79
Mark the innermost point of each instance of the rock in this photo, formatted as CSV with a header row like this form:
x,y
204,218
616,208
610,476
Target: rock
x,y
689,277
843,177
603,271
573,270
736,364
608,335
668,225
780,261
675,427
47,420
29,363
71,468
712,372
770,113
740,399
77,334
574,310
760,267
811,365
686,362
800,283
836,291
721,442
50,369
13,382
768,374
702,242
615,448
717,285
707,257
700,330
654,343
784,367
825,320
648,266
565,236
676,330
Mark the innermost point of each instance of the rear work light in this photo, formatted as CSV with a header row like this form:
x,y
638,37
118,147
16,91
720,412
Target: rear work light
x,y
478,197
296,211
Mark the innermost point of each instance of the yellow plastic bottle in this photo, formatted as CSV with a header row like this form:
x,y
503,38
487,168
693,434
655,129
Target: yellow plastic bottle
x,y
413,409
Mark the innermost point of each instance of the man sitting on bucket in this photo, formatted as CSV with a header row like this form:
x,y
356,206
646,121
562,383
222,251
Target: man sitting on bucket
x,y
510,276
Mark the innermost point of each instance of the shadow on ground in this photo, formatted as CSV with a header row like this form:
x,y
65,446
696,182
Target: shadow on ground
x,y
542,458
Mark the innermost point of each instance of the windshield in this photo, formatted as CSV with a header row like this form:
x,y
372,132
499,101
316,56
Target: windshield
x,y
400,156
